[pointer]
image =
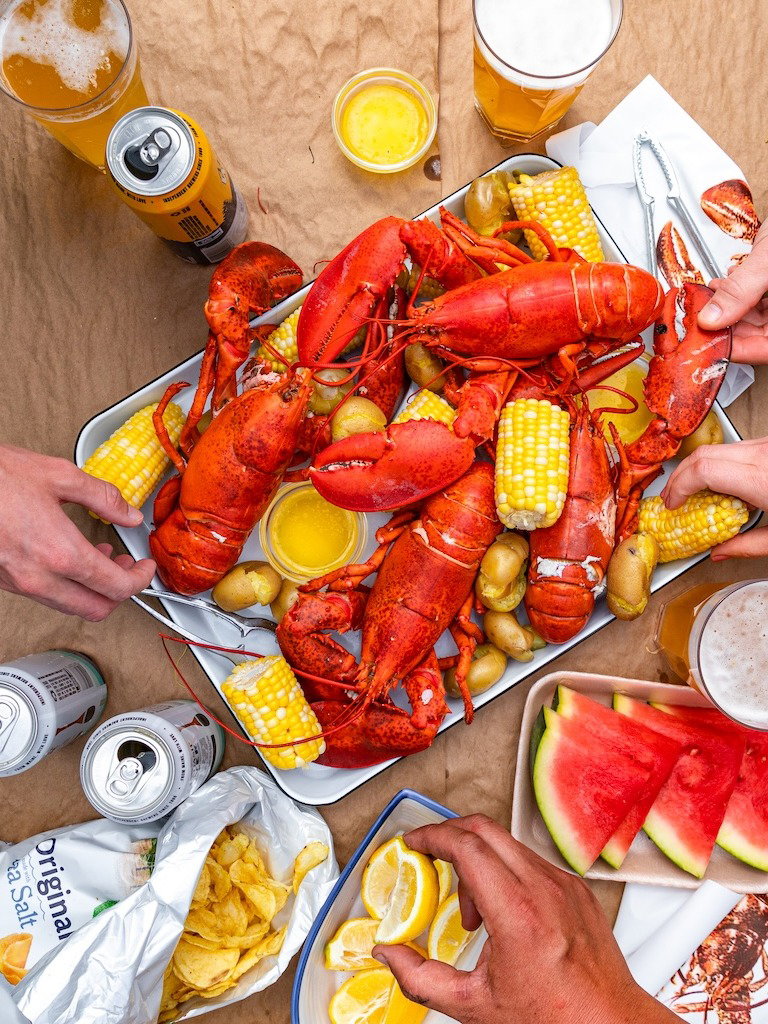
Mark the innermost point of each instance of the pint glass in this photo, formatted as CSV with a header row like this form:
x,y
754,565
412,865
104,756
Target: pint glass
x,y
532,59
72,65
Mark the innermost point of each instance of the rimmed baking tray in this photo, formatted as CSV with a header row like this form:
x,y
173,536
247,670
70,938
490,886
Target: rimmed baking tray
x,y
318,785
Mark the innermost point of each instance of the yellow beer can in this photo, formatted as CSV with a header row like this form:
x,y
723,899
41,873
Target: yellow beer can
x,y
163,166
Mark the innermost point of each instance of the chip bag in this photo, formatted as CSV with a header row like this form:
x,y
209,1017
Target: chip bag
x,y
241,872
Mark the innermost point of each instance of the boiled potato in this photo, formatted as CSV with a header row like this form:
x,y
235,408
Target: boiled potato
x,y
424,367
708,432
487,204
204,422
325,397
629,575
288,596
487,668
501,581
505,632
248,583
357,416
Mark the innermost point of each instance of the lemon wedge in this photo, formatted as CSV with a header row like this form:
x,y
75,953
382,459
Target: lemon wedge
x,y
414,898
363,999
350,948
380,876
445,878
447,938
401,1010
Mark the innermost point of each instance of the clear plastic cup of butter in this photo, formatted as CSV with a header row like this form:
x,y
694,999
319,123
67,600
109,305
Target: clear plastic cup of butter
x,y
384,120
304,536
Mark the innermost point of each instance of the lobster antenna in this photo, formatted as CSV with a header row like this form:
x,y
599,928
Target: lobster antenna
x,y
635,405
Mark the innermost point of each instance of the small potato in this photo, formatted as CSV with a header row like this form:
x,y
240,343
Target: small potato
x,y
248,583
424,367
326,397
204,422
501,581
357,416
487,668
708,432
629,575
487,203
289,595
505,632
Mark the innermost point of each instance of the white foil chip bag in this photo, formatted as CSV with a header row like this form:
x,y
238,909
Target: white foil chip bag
x,y
111,970
58,881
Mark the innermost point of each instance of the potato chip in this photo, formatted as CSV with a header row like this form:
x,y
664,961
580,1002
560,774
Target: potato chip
x,y
205,923
14,951
221,883
253,856
232,850
252,884
269,946
203,887
231,914
204,968
312,855
197,940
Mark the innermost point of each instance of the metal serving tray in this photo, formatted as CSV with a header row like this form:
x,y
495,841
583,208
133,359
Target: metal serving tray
x,y
318,785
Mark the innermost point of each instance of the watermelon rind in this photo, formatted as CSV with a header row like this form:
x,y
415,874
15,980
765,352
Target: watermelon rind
x,y
557,804
669,834
744,832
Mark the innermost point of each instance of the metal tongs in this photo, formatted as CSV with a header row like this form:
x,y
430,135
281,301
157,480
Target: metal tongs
x,y
246,626
674,199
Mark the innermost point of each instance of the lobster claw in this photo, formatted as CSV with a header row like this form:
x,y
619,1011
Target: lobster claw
x,y
685,372
347,290
381,471
729,204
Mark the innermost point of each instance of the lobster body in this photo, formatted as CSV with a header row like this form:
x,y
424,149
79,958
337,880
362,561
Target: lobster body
x,y
424,580
568,560
230,478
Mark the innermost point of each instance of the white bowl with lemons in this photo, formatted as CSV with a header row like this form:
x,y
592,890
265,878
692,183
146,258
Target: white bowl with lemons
x,y
386,893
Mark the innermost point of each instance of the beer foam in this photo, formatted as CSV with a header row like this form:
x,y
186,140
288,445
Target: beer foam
x,y
733,654
52,37
555,38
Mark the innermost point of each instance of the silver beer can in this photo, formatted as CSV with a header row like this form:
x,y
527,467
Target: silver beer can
x,y
46,701
139,766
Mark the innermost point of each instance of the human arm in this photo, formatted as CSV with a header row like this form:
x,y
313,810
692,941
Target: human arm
x,y
740,469
550,955
739,302
42,553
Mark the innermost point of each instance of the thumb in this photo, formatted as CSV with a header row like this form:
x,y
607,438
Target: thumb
x,y
428,982
753,544
740,291
100,497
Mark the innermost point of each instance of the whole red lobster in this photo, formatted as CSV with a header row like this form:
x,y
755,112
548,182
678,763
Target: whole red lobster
x,y
427,561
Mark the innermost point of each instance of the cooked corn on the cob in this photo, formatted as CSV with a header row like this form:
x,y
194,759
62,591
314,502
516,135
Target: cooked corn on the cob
x,y
283,340
532,456
703,520
426,405
557,200
132,458
268,701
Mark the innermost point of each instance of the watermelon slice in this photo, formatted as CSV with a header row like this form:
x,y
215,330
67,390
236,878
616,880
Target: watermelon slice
x,y
583,792
618,734
744,832
686,817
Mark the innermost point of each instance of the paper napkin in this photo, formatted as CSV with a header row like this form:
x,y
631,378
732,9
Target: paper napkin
x,y
603,155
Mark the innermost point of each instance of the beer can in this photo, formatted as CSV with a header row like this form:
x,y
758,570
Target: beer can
x,y
46,701
137,767
164,168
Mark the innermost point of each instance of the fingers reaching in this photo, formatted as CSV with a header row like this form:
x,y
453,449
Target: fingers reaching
x,y
752,544
728,469
740,291
97,496
429,982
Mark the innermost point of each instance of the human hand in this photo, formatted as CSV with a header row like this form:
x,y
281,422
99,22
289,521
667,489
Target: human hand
x,y
739,302
42,553
549,956
740,469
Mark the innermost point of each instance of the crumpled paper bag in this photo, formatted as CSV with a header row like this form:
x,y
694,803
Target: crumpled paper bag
x,y
111,970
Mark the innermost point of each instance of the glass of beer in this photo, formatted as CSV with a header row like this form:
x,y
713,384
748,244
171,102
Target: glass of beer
x,y
532,59
728,652
72,65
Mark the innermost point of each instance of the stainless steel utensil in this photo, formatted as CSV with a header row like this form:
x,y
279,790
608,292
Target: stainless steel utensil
x,y
245,626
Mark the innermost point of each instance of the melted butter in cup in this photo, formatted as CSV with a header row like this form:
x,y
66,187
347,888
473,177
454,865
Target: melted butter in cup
x,y
304,536
384,120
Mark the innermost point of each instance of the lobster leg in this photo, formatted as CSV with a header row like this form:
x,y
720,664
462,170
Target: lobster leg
x,y
466,635
351,576
189,433
160,428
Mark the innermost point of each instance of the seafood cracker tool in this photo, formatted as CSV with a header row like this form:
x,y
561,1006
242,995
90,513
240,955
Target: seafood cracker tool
x,y
674,199
246,626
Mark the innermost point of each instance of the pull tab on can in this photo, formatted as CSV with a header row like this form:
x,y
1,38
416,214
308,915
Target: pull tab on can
x,y
130,772
10,712
145,159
